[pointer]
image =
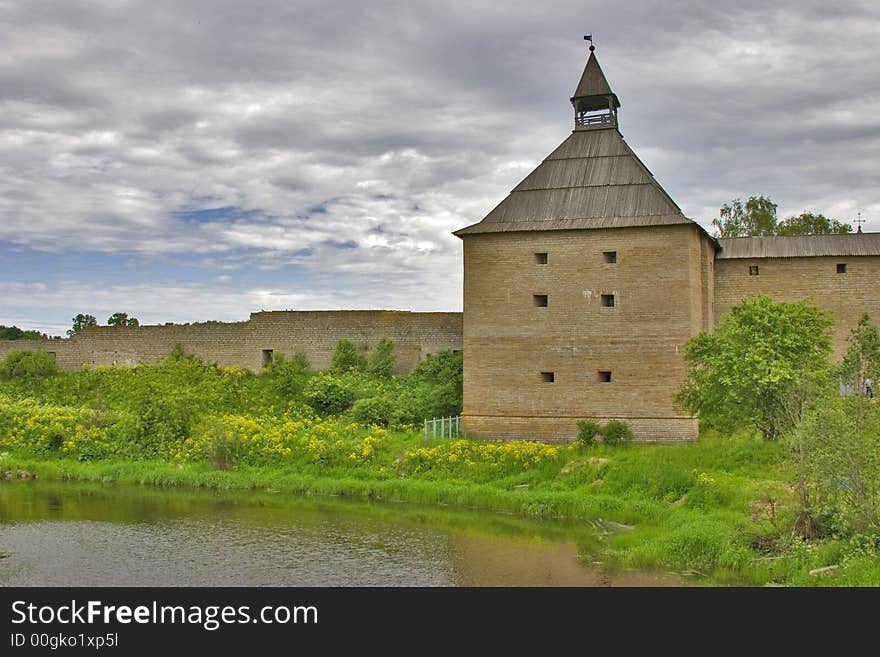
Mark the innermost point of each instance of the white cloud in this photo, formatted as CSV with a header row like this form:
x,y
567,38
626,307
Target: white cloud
x,y
401,122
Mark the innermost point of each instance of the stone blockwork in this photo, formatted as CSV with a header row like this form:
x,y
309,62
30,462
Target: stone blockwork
x,y
658,277
848,294
243,344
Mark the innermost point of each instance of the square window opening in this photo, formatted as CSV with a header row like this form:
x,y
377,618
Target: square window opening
x,y
548,377
541,258
605,377
540,300
753,270
610,257
608,301
267,357
841,267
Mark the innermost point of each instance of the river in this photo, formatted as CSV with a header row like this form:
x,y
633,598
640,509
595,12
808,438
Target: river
x,y
66,534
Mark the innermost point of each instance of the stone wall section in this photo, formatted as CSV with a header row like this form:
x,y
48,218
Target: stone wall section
x,y
848,295
511,343
242,344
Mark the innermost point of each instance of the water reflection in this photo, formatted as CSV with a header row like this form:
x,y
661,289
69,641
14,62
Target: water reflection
x,y
81,535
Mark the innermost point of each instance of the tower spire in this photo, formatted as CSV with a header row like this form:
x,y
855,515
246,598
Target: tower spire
x,y
595,104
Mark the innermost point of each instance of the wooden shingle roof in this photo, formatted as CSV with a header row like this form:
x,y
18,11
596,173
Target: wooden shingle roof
x,y
800,246
593,81
592,180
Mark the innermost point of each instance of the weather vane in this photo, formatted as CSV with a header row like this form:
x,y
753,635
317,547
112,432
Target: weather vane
x,y
589,37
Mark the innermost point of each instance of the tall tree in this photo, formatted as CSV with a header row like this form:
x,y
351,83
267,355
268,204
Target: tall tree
x,y
807,223
757,216
80,322
761,367
122,319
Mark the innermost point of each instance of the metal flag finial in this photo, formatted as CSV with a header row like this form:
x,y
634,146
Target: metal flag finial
x,y
589,37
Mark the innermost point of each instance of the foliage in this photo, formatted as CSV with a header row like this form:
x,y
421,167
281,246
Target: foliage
x,y
374,410
327,395
757,217
839,441
80,322
31,365
862,358
439,379
381,360
122,319
346,357
288,376
616,432
15,333
808,223
587,432
461,456
762,366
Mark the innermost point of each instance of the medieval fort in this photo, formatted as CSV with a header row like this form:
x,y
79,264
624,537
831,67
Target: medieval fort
x,y
580,291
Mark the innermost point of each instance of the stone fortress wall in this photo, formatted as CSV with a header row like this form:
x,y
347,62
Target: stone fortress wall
x,y
253,343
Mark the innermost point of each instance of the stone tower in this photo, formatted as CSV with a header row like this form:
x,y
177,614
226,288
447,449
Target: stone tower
x,y
581,289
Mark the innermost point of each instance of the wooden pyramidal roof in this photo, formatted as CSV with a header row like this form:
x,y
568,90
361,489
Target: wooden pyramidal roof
x,y
592,180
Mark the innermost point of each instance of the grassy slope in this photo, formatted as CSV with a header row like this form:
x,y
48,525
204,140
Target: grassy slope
x,y
718,508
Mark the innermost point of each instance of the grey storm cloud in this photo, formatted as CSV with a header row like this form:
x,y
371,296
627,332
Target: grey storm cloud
x,y
403,121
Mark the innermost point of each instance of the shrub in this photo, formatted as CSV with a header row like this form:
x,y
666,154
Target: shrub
x,y
438,382
587,432
288,376
616,432
221,445
327,396
381,360
375,410
346,358
30,365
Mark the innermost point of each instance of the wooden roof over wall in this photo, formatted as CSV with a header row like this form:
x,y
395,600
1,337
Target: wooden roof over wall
x,y
800,246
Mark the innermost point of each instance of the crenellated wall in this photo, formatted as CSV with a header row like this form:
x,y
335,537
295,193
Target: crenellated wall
x,y
315,333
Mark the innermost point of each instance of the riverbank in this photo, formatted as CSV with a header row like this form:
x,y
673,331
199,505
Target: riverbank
x,y
719,509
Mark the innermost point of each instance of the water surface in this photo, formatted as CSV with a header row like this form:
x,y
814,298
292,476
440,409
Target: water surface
x,y
63,534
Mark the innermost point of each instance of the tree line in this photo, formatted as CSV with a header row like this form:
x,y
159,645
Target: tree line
x,y
756,217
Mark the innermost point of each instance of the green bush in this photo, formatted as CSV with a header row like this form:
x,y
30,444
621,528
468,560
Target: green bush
x,y
288,376
381,360
436,384
347,358
587,432
31,365
327,396
616,432
375,410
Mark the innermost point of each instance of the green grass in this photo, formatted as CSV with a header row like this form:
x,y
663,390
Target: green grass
x,y
718,509
721,508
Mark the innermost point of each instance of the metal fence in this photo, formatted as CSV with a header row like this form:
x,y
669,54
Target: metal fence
x,y
443,427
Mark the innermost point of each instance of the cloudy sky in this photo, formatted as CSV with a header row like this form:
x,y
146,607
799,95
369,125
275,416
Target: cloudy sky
x,y
186,160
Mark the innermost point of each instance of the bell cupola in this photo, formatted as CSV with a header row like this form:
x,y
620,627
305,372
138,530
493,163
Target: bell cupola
x,y
595,105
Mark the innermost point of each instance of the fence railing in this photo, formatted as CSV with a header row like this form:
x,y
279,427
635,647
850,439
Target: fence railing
x,y
443,427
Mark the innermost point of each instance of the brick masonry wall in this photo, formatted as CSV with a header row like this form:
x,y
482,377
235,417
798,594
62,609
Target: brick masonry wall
x,y
316,333
848,295
658,285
